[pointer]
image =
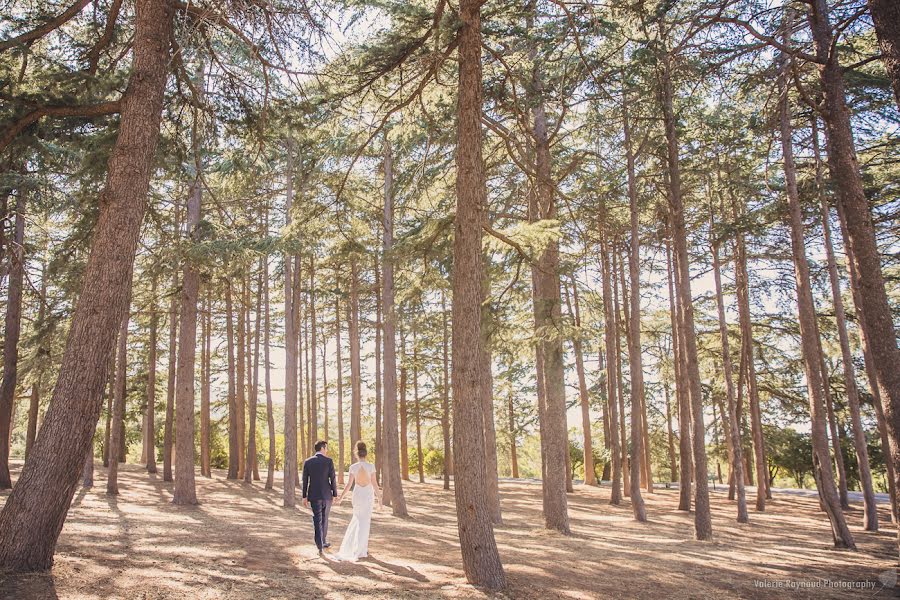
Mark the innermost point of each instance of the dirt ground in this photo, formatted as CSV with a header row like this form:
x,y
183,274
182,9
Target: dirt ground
x,y
241,543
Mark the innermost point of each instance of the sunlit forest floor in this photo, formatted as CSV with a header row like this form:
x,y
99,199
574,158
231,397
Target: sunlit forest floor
x,y
241,543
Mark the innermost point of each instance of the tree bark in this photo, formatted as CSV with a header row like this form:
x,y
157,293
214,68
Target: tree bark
x,y
702,518
355,370
886,17
681,392
151,381
13,325
311,347
404,412
481,560
513,453
118,416
861,245
241,380
418,406
205,386
808,331
233,445
730,419
252,467
620,382
391,464
290,350
379,398
43,353
339,382
445,392
267,370
590,476
615,496
35,511
870,509
548,321
185,490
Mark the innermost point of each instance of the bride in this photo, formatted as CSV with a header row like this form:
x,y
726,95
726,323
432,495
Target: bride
x,y
365,493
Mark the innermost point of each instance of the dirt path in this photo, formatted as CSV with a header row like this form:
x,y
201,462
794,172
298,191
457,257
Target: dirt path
x,y
240,543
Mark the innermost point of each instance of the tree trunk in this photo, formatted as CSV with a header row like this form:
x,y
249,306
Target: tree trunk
x,y
590,476
205,386
110,385
87,471
834,432
233,445
729,420
11,339
267,370
491,482
670,436
702,518
513,453
185,491
35,511
418,406
252,467
172,358
241,380
742,283
379,347
445,393
620,382
151,381
870,509
548,323
404,412
290,350
860,243
355,370
808,331
886,17
681,393
481,560
615,496
391,464
339,382
118,416
311,348
43,353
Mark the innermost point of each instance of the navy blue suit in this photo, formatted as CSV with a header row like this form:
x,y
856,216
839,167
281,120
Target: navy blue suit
x,y
319,487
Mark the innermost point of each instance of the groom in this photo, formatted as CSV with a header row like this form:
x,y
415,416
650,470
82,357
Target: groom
x,y
319,488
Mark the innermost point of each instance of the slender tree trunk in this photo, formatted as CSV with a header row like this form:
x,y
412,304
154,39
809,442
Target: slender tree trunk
x,y
379,347
445,393
702,518
615,497
481,560
241,380
742,282
620,382
491,482
267,370
404,412
110,385
118,417
205,386
172,358
670,436
311,348
391,464
548,325
233,446
290,350
860,242
355,370
36,509
870,509
513,453
340,383
681,392
418,405
251,472
886,17
151,380
13,327
730,419
185,490
808,331
590,476
834,432
43,354
87,471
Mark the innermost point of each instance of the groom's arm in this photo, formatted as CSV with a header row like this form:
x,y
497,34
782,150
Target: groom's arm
x,y
304,487
333,478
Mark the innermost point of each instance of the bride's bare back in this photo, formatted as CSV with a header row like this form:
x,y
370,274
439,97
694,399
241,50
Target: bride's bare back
x,y
362,477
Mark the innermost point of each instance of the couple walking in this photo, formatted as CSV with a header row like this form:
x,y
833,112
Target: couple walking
x,y
320,488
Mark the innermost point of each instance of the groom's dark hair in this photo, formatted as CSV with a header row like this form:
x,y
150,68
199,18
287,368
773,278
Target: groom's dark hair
x,y
320,444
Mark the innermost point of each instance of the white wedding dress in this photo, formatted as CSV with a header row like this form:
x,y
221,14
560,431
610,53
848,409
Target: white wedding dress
x,y
356,538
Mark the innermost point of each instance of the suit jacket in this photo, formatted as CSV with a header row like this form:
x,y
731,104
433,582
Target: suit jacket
x,y
319,480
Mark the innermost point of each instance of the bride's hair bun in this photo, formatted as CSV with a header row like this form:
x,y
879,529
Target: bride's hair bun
x,y
361,450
